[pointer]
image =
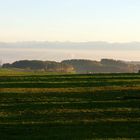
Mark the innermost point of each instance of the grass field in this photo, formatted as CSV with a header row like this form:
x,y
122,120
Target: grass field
x,y
69,107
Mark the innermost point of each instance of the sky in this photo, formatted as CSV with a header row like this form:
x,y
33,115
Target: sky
x,y
69,20
113,21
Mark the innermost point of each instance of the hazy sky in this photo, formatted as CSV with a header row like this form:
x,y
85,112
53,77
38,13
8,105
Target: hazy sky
x,y
70,20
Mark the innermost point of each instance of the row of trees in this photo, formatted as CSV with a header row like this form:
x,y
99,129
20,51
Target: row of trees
x,y
37,65
79,66
103,66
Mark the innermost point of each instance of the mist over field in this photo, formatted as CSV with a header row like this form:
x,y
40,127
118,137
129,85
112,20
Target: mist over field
x,y
58,51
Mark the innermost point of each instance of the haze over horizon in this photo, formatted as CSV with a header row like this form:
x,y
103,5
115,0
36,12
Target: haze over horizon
x,y
57,51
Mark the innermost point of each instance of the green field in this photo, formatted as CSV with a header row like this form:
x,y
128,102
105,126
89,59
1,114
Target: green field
x,y
37,106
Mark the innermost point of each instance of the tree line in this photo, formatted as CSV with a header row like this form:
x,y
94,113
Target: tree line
x,y
76,65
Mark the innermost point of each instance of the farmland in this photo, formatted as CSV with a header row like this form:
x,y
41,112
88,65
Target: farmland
x,y
36,106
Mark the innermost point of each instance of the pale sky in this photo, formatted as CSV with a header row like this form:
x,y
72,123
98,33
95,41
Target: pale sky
x,y
70,20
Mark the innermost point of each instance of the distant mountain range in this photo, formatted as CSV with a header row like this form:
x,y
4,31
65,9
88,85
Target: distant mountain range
x,y
58,51
100,45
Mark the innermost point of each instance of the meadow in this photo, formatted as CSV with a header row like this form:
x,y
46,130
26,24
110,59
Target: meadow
x,y
38,106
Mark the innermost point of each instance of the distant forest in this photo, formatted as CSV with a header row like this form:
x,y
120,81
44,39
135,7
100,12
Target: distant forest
x,y
80,66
